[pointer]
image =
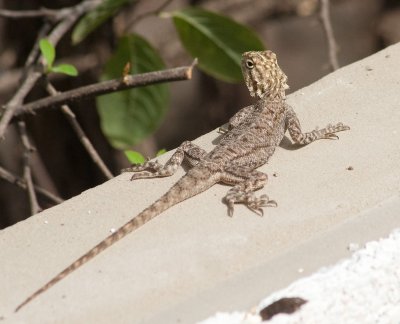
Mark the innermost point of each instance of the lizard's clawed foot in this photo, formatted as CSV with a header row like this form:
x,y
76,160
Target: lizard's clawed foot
x,y
332,129
331,136
148,169
254,203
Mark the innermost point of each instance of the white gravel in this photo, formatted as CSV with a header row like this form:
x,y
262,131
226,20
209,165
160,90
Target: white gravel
x,y
362,289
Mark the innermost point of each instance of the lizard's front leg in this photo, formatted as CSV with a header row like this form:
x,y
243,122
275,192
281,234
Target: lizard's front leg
x,y
293,125
246,181
187,152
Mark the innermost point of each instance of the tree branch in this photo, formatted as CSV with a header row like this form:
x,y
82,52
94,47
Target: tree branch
x,y
8,176
17,99
28,149
326,23
52,14
96,89
40,13
81,135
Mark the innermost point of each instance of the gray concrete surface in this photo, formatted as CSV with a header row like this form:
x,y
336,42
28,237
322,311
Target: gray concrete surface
x,y
194,260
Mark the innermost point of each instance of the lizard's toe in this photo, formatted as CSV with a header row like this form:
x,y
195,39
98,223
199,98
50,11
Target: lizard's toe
x,y
331,136
339,127
147,168
256,204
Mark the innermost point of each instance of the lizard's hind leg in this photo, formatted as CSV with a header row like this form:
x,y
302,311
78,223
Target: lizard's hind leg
x,y
187,152
246,182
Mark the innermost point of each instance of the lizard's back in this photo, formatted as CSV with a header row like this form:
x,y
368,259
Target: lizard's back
x,y
259,133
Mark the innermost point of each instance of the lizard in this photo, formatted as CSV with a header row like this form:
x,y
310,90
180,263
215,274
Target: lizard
x,y
248,142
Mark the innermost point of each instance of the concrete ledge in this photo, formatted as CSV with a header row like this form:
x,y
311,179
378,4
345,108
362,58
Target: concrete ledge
x,y
194,260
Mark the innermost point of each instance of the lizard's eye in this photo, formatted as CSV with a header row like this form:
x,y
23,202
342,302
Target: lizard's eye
x,y
249,64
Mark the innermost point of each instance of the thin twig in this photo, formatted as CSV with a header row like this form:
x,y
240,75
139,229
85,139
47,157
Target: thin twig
x,y
52,14
11,107
28,149
8,176
40,13
33,73
332,45
81,135
144,15
96,89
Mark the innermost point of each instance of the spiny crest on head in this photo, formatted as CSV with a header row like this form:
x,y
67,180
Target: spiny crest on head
x,y
263,76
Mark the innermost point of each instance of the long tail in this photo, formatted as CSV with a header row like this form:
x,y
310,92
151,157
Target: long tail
x,y
194,182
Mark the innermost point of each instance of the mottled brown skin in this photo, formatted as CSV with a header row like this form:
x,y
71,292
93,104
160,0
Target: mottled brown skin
x,y
250,140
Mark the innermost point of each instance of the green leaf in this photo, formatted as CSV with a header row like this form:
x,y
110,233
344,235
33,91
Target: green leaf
x,y
66,69
95,18
48,51
134,157
128,116
161,152
217,41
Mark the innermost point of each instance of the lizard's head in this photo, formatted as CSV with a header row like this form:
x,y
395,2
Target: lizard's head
x,y
263,76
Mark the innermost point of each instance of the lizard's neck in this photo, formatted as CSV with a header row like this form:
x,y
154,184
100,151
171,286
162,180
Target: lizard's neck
x,y
278,95
274,95
271,87
277,85
266,101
